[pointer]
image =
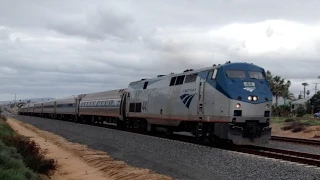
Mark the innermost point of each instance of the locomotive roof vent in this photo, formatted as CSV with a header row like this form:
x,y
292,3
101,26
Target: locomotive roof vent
x,y
142,79
228,62
188,70
214,64
160,75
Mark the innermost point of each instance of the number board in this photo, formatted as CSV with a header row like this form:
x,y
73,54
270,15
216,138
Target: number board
x,y
250,84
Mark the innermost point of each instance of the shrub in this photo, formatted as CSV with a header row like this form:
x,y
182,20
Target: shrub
x,y
5,129
289,120
28,149
295,126
11,165
301,111
32,156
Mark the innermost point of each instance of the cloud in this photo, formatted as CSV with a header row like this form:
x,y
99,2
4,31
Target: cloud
x,y
98,25
57,49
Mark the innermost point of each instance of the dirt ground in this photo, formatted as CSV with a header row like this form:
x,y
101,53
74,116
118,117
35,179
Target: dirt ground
x,y
308,133
77,162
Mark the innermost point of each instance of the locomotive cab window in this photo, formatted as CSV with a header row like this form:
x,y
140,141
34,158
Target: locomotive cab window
x,y
214,74
256,75
180,80
191,78
145,85
173,80
235,74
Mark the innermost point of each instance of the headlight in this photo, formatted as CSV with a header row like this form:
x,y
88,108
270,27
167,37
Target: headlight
x,y
255,98
238,105
267,106
250,98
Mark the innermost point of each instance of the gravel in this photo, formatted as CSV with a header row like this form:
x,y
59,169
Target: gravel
x,y
176,159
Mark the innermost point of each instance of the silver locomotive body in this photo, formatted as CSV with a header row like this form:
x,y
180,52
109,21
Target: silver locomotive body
x,y
229,102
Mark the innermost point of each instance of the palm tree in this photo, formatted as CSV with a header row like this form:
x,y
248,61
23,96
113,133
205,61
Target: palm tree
x,y
279,87
269,75
287,95
271,82
304,89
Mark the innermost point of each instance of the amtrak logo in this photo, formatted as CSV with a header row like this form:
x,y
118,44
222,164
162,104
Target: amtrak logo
x,y
187,98
249,88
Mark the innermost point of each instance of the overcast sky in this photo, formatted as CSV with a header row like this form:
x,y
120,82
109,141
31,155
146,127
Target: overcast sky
x,y
61,48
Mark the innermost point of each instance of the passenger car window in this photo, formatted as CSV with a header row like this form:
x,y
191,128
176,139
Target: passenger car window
x,y
235,74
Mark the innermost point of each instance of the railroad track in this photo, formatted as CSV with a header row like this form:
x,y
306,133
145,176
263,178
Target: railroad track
x,y
292,156
296,140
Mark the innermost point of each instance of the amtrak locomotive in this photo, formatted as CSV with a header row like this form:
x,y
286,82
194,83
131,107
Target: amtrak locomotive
x,y
224,102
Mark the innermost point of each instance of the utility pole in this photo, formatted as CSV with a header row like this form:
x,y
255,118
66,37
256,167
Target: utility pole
x,y
316,88
300,95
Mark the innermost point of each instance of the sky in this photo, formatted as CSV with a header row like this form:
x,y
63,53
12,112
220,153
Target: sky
x,y
62,48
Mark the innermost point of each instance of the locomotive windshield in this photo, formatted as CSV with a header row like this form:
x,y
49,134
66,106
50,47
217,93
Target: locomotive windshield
x,y
256,75
235,74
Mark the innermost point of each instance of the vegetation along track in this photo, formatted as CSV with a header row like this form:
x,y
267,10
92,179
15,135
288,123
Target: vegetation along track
x,y
292,156
296,140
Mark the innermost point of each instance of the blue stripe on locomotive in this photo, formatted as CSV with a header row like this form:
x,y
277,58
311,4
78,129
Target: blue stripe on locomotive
x,y
187,98
233,88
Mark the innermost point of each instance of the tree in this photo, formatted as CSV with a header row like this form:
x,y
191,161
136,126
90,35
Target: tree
x,y
280,88
304,89
301,111
287,95
314,103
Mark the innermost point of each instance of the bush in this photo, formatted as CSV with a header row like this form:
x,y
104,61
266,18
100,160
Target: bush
x,y
5,129
301,111
289,120
31,154
295,126
28,149
11,165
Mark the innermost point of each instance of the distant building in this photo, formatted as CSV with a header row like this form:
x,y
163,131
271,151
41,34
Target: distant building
x,y
297,103
280,101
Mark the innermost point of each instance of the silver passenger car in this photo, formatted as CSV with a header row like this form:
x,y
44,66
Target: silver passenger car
x,y
101,106
66,108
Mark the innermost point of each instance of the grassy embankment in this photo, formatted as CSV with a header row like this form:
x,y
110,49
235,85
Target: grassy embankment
x,y
296,124
20,158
